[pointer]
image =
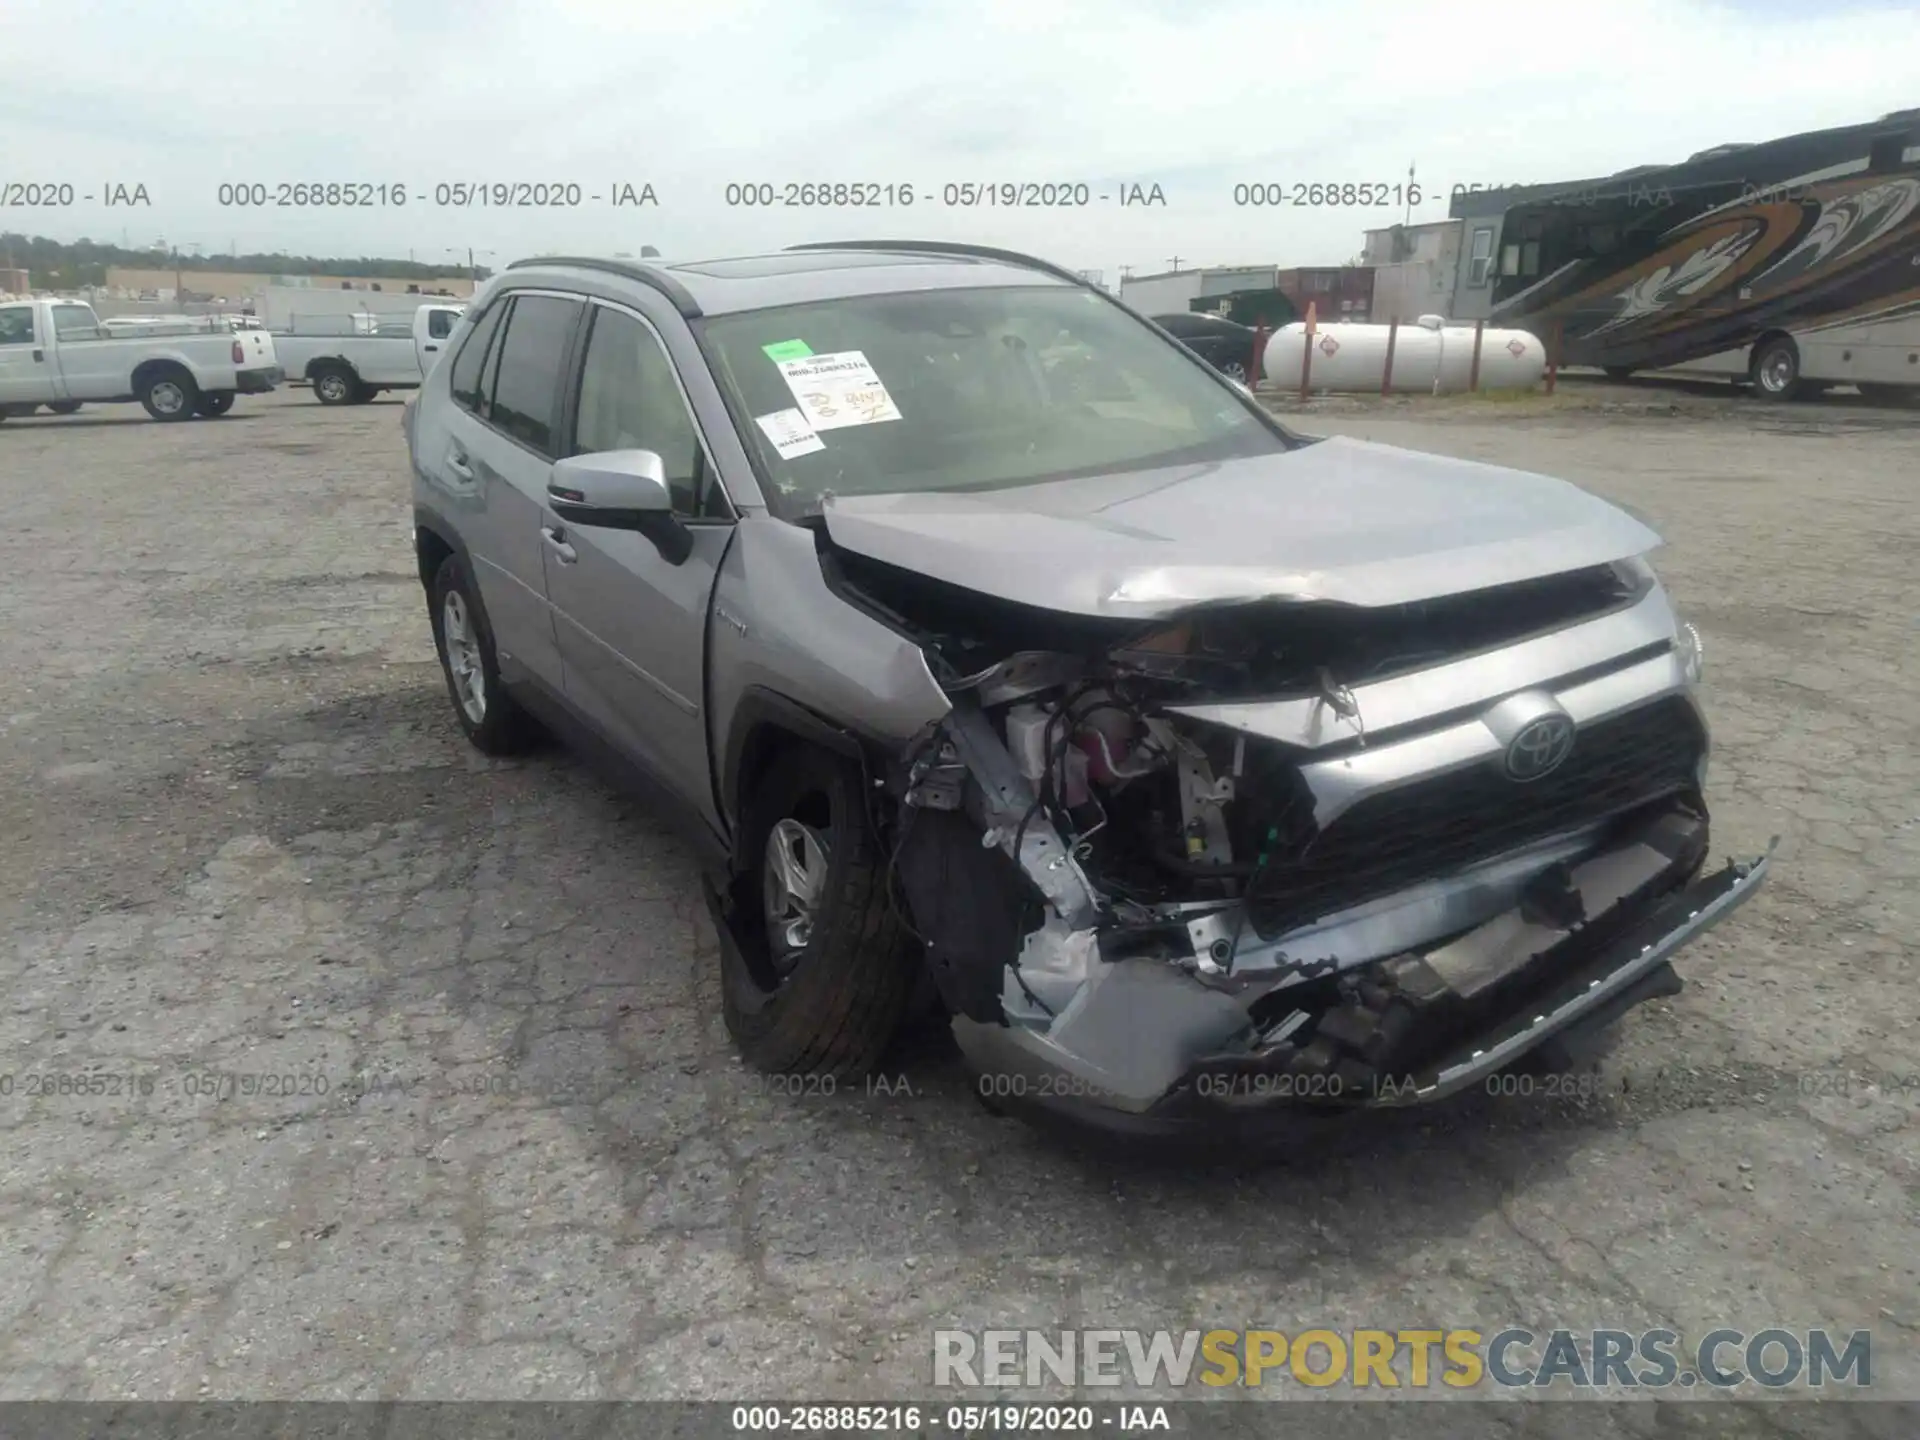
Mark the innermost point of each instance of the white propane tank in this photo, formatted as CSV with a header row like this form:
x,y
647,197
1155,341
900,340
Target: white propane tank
x,y
1353,357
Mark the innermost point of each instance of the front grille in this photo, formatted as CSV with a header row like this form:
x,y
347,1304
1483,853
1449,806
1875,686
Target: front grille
x,y
1389,841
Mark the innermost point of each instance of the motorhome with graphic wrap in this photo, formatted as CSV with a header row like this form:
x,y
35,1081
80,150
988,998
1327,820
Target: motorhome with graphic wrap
x,y
1790,265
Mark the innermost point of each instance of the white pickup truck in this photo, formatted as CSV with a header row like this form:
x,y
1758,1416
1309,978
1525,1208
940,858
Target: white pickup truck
x,y
347,365
56,353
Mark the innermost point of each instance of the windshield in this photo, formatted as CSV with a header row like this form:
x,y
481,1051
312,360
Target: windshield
x,y
968,390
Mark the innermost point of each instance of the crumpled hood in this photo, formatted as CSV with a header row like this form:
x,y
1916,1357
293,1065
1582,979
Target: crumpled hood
x,y
1340,520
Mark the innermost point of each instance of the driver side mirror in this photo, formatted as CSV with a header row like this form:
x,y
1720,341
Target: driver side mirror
x,y
620,490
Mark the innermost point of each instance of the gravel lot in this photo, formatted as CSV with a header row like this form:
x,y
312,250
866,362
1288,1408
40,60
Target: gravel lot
x,y
242,837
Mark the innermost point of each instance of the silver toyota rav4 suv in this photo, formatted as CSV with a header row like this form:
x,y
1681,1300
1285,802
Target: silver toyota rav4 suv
x,y
1006,659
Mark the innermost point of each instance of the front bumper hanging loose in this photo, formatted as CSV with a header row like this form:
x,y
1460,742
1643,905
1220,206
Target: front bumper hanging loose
x,y
1595,987
1086,1070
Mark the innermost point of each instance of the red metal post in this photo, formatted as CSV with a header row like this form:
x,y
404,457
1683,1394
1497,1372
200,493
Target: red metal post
x,y
1306,355
1386,376
1473,371
1553,357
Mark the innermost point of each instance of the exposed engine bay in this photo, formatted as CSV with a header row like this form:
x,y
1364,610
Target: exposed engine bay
x,y
1122,868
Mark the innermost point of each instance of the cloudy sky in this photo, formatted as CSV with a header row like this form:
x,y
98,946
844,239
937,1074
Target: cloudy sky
x,y
1194,96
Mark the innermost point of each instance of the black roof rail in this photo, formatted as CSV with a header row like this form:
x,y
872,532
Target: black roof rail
x,y
650,275
955,247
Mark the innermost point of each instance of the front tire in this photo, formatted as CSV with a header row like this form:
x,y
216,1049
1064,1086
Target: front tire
x,y
214,404
491,719
169,394
334,386
824,967
1775,369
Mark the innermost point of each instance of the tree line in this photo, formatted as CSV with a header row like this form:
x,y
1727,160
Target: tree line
x,y
70,264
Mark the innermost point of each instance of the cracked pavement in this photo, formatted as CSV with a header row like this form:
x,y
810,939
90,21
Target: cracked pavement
x,y
412,1078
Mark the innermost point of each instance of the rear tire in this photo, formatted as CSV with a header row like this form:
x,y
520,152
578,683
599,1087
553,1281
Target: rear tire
x,y
333,385
1775,369
64,407
491,719
214,404
819,986
364,393
169,394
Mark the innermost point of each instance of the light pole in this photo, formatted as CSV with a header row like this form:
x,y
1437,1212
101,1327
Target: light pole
x,y
162,249
473,272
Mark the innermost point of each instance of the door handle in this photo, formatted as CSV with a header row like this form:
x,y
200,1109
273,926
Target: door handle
x,y
457,463
556,539
38,356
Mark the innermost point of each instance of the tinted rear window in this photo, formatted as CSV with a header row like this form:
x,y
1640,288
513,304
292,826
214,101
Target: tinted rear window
x,y
526,391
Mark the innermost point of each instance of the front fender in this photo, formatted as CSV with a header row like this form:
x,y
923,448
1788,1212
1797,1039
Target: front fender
x,y
782,646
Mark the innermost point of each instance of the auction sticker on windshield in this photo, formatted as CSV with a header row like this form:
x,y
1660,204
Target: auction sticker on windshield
x,y
838,390
789,433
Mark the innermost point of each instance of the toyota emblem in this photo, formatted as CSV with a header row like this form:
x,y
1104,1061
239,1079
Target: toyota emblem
x,y
1540,747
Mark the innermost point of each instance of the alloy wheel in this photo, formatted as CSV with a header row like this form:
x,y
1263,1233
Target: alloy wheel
x,y
463,658
793,884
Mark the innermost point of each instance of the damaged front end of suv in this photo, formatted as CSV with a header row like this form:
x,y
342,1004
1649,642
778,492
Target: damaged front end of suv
x,y
1202,856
